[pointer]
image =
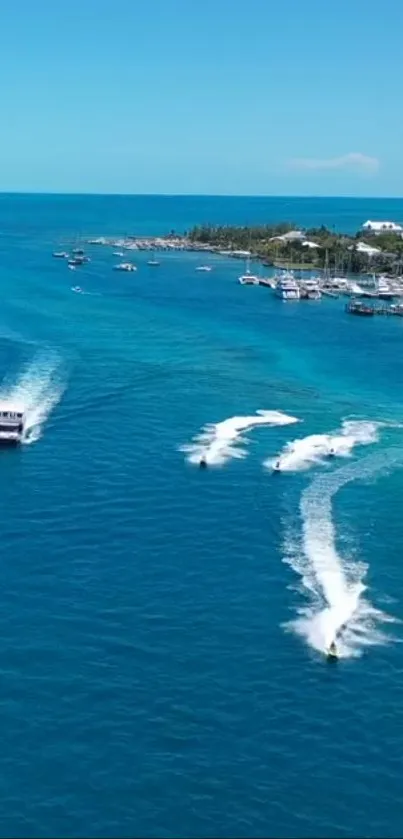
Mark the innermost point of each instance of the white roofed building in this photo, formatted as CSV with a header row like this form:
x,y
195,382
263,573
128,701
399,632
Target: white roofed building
x,y
291,236
362,247
382,227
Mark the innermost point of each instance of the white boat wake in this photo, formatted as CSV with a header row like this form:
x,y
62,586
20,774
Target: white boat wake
x,y
37,390
221,441
316,449
335,584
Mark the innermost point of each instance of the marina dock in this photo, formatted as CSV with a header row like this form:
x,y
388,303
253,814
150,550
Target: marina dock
x,y
356,307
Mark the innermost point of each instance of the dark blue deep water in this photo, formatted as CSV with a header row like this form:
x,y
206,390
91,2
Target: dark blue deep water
x,y
163,628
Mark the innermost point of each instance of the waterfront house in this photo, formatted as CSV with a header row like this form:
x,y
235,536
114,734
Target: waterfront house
x,y
382,227
291,236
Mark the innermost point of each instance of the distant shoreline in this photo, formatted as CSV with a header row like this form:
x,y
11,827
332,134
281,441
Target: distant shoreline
x,y
279,245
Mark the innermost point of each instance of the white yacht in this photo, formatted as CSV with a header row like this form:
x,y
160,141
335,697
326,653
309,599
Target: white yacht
x,y
125,266
286,286
383,289
311,288
11,423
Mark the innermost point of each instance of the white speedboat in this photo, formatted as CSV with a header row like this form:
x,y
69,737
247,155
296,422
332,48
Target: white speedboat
x,y
125,266
118,253
60,254
383,289
286,286
11,423
311,288
203,268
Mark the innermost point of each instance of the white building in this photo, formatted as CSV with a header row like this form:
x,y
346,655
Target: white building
x,y
291,236
382,227
362,247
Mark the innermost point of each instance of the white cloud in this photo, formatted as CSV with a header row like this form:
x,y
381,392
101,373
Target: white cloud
x,y
355,161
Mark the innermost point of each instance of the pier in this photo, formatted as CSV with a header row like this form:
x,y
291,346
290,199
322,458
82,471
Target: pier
x,y
356,307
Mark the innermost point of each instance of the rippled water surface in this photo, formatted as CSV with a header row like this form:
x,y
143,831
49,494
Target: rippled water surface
x,y
164,628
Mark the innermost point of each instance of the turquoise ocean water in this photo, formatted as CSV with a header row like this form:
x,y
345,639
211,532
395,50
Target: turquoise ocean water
x,y
162,628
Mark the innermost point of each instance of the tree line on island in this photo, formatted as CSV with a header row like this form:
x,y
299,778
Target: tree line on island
x,y
337,251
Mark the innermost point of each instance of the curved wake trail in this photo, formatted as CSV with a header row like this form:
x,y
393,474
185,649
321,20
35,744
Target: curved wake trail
x,y
314,450
37,390
335,584
221,441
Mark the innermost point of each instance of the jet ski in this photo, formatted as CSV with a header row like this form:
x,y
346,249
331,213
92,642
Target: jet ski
x,y
203,463
332,652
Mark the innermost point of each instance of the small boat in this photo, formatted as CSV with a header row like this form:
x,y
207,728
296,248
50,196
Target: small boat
x,y
203,268
203,463
77,289
125,266
79,260
60,254
247,278
11,423
153,261
72,267
78,252
118,253
357,308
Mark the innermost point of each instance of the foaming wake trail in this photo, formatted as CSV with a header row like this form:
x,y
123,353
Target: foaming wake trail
x,y
310,451
335,584
37,391
219,442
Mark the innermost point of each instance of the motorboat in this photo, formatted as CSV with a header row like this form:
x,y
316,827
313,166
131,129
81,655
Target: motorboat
x,y
286,286
383,289
203,268
60,254
125,266
11,423
310,289
118,253
79,259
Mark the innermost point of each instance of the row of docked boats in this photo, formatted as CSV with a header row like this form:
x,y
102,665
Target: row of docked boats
x,y
287,287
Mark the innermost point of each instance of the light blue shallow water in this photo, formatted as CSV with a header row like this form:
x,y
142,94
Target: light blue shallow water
x,y
162,628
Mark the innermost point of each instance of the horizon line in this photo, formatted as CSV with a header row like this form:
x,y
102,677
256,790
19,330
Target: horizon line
x,y
38,193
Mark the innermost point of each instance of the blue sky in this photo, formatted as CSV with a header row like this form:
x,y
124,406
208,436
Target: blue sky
x,y
301,97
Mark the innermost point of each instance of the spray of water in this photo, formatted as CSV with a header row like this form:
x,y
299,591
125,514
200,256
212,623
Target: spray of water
x,y
219,442
335,584
316,449
37,390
